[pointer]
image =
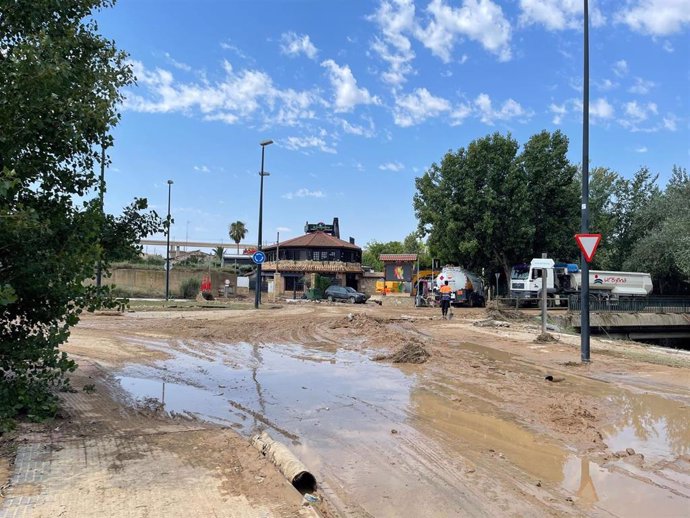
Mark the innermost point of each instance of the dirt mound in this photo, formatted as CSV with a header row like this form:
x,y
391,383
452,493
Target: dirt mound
x,y
545,338
357,321
490,322
506,314
411,352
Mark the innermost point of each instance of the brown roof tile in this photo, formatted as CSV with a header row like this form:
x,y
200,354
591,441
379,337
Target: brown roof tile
x,y
315,240
397,257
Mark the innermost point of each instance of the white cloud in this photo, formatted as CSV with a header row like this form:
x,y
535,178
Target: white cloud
x,y
478,20
418,106
178,64
303,193
482,21
600,109
606,85
641,86
202,169
670,122
294,44
655,17
559,111
668,46
641,149
347,93
367,131
392,166
557,15
298,143
620,68
460,113
395,19
244,95
639,112
509,110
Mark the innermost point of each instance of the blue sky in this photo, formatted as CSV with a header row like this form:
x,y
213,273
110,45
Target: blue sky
x,y
361,97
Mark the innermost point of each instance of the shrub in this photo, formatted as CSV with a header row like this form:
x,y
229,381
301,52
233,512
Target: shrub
x,y
190,287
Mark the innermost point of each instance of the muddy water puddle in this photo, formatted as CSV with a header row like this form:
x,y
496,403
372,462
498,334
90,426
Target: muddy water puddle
x,y
386,445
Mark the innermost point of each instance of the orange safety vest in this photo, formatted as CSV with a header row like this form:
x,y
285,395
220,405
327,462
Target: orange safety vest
x,y
445,291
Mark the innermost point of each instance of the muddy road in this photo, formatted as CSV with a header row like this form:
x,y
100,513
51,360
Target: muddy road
x,y
477,430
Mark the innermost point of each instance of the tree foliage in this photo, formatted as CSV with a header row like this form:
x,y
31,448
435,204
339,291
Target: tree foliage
x,y
474,206
487,207
59,91
237,232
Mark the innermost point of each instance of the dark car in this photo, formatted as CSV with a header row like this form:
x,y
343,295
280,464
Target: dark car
x,y
345,294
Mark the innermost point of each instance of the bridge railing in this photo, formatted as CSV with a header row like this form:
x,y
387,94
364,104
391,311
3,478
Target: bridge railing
x,y
633,304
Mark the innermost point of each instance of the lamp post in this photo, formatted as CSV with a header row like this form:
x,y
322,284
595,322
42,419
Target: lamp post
x,y
584,224
257,295
101,195
167,248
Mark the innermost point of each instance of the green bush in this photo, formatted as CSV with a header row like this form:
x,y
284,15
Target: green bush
x,y
190,287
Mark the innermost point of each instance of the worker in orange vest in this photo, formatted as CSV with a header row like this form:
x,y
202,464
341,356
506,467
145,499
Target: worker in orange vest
x,y
445,291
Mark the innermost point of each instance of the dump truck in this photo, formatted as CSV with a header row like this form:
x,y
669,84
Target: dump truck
x,y
564,279
467,287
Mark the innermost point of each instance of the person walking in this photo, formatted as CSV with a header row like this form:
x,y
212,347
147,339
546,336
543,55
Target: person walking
x,y
445,299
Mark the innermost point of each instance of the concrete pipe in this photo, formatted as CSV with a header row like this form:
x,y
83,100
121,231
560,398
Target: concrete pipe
x,y
287,463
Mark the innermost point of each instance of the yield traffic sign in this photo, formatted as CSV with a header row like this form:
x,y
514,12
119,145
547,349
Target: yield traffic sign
x,y
588,243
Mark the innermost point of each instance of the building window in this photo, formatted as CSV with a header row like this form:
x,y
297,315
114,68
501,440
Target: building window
x,y
315,255
324,255
294,284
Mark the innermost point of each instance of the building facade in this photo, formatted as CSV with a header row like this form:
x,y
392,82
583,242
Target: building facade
x,y
293,262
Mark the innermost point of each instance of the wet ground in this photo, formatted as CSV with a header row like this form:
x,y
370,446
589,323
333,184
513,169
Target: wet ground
x,y
390,440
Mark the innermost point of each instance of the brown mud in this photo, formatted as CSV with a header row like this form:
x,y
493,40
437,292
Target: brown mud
x,y
477,430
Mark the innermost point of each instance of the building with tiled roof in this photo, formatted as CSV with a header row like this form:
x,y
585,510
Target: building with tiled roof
x,y
290,262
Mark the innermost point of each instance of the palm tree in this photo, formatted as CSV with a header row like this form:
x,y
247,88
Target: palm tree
x,y
238,231
219,252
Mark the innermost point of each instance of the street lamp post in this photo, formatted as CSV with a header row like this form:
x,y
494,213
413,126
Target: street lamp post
x,y
584,224
101,195
257,294
167,248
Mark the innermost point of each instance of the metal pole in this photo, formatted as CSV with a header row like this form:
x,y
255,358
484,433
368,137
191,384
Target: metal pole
x,y
584,311
167,248
257,294
101,194
544,285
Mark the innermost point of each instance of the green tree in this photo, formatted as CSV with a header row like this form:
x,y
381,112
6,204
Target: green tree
x,y
474,206
219,252
237,232
603,185
370,256
413,245
664,248
59,92
553,194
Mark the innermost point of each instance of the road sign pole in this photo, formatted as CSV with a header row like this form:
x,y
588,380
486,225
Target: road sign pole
x,y
584,291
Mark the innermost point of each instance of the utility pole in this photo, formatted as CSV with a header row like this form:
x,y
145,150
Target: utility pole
x,y
584,227
167,248
101,195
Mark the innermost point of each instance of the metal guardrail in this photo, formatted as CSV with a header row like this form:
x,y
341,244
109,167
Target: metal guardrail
x,y
634,305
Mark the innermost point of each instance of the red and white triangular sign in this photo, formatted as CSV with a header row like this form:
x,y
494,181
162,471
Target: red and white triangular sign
x,y
588,243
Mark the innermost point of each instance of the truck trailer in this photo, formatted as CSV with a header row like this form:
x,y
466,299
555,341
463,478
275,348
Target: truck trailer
x,y
467,287
564,279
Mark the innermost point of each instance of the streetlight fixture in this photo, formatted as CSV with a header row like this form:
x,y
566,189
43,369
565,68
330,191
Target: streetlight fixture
x,y
257,294
167,247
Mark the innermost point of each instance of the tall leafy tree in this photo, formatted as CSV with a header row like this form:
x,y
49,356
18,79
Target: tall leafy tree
x,y
474,206
59,91
553,194
664,248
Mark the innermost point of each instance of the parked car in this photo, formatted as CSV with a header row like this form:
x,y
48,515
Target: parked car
x,y
345,294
